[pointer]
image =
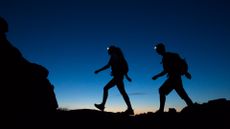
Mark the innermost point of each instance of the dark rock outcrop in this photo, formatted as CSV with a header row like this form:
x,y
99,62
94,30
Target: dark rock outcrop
x,y
211,115
25,89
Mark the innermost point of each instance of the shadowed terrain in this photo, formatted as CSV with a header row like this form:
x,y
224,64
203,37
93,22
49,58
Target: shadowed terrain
x,y
211,115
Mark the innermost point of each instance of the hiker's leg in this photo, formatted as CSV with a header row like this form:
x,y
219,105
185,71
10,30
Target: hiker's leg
x,y
182,93
109,85
164,90
185,96
162,100
121,88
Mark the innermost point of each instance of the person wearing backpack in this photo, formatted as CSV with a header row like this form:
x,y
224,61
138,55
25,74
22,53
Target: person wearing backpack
x,y
174,67
119,69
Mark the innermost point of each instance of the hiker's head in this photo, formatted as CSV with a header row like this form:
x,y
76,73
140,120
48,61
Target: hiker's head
x,y
111,49
160,48
3,25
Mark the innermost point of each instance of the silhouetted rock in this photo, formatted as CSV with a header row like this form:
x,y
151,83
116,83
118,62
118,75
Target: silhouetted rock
x,y
211,115
25,89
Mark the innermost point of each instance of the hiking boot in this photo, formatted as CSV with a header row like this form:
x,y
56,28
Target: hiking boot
x,y
99,106
129,112
159,112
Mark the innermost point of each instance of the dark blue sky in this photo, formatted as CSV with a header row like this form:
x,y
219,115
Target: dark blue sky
x,y
69,37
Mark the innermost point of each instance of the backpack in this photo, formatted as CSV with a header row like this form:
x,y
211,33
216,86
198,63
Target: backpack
x,y
183,66
177,64
125,68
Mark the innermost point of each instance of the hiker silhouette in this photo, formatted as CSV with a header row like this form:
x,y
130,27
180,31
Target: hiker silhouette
x,y
170,62
119,69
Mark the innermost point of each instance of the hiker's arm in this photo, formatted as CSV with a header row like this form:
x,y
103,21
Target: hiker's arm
x,y
188,75
159,75
128,78
101,69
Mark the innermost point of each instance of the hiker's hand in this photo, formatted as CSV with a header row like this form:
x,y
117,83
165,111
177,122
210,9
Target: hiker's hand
x,y
97,71
188,75
155,77
129,79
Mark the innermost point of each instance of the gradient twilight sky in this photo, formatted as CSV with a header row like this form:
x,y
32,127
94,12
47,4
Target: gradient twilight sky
x,y
69,38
